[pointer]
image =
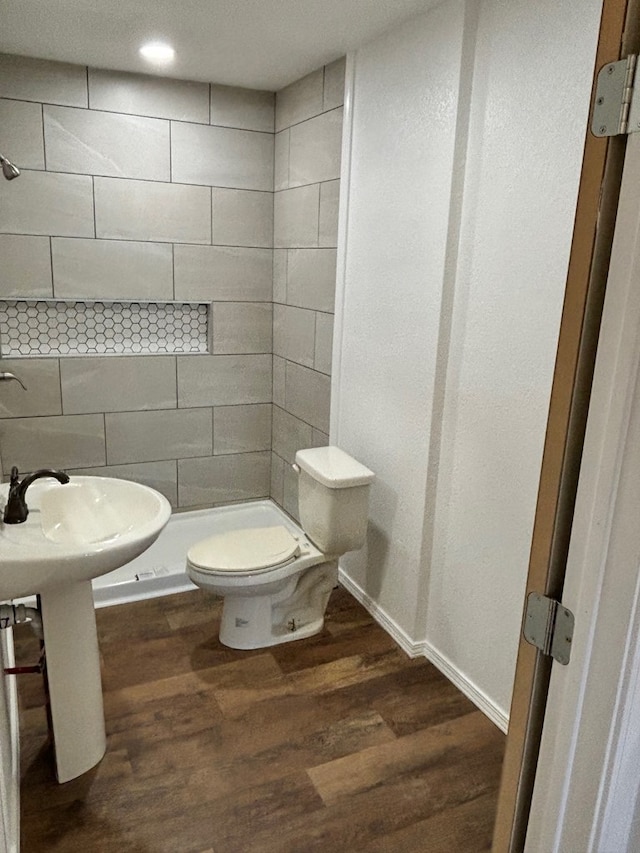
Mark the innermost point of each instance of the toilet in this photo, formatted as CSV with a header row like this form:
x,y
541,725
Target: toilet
x,y
275,576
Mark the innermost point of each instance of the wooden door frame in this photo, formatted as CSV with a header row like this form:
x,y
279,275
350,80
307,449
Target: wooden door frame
x,y
587,783
575,359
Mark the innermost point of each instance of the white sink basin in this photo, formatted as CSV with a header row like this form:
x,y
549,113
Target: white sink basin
x,y
77,532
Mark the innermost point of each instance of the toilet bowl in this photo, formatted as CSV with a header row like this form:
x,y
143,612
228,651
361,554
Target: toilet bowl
x,y
276,576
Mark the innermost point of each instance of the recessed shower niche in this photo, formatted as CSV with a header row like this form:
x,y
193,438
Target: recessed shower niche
x,y
68,328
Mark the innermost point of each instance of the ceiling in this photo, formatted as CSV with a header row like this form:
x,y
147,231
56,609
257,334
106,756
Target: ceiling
x,y
262,44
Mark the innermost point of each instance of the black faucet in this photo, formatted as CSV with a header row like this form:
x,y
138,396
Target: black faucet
x,y
16,510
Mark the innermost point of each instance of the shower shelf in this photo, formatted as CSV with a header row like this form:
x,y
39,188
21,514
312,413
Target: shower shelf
x,y
53,328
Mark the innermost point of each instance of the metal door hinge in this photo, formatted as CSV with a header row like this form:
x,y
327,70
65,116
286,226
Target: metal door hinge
x,y
548,626
616,109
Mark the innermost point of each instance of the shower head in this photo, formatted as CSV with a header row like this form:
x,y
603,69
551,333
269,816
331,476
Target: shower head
x,y
8,169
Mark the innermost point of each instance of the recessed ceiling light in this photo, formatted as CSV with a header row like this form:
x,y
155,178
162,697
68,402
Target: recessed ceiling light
x,y
157,51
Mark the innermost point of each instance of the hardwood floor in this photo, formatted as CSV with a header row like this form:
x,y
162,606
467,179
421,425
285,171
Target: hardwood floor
x,y
337,743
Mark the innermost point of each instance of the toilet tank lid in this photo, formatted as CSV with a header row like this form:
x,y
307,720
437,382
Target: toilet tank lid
x,y
333,467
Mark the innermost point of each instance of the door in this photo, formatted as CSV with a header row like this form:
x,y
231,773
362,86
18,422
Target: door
x,y
587,784
586,280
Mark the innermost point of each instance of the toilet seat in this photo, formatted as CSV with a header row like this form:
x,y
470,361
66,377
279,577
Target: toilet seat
x,y
246,551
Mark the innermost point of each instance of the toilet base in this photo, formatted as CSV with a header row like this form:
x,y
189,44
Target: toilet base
x,y
294,612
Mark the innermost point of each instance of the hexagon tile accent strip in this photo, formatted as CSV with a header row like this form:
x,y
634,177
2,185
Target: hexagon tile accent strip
x,y
52,327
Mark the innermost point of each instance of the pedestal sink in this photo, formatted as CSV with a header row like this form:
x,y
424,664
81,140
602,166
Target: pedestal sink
x,y
74,533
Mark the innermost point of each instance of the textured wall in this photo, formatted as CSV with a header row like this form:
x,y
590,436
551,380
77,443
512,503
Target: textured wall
x,y
143,188
307,170
460,209
516,227
403,138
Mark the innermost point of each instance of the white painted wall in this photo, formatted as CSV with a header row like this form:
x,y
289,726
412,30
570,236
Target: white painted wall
x,y
451,300
396,194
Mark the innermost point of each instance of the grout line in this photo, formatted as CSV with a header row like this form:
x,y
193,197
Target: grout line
x,y
315,340
163,242
93,204
86,71
194,122
157,182
53,284
173,269
170,154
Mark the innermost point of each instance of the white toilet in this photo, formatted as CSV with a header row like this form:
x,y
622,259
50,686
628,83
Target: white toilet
x,y
276,578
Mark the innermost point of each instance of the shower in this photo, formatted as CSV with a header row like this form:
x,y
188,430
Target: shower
x,y
8,169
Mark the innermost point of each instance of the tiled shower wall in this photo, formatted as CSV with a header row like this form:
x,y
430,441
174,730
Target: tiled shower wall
x,y
141,188
306,182
147,188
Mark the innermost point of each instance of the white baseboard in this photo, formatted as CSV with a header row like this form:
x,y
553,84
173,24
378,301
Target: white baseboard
x,y
423,648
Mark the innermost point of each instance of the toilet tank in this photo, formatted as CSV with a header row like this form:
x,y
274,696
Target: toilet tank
x,y
333,499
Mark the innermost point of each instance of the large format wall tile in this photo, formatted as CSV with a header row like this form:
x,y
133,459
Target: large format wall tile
x,y
281,161
248,109
27,79
42,379
277,479
290,434
242,218
314,149
223,380
324,343
221,157
152,436
118,383
142,94
47,203
26,266
279,275
242,327
21,134
89,269
329,205
222,273
300,100
294,334
311,278
100,143
307,395
66,441
279,376
295,217
241,429
220,479
334,84
162,476
141,210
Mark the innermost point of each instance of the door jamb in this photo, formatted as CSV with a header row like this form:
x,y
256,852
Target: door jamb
x,y
575,359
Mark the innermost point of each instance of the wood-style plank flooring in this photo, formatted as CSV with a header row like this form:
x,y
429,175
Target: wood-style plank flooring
x,y
335,743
